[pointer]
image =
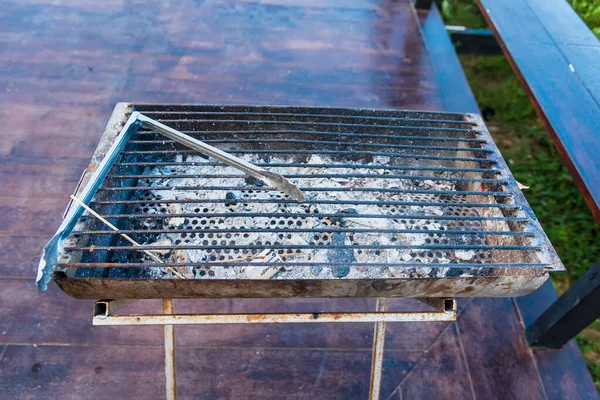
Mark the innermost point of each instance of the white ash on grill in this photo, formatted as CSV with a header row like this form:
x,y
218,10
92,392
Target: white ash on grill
x,y
344,216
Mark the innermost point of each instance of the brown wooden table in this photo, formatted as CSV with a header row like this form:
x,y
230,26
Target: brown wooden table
x,y
65,66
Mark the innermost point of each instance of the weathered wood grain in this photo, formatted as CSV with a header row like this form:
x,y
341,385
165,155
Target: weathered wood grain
x,y
544,41
573,380
441,373
500,361
100,372
47,313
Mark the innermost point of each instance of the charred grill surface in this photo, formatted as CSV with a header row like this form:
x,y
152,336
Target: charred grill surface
x,y
391,196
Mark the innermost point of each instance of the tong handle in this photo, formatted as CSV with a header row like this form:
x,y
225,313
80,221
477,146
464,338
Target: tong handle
x,y
202,147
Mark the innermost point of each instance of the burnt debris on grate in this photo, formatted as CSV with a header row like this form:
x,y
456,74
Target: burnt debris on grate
x,y
389,194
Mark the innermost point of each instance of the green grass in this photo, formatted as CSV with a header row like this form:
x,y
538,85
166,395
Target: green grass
x,y
534,161
589,11
589,343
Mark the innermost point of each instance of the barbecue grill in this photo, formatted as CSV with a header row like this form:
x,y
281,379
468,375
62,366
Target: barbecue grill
x,y
397,204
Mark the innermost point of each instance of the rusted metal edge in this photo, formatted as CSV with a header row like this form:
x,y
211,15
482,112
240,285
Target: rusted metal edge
x,y
548,254
377,354
440,304
53,250
491,286
83,174
169,338
282,318
104,308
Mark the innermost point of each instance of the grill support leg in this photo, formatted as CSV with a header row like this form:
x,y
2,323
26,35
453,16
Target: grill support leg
x,y
169,334
445,310
377,357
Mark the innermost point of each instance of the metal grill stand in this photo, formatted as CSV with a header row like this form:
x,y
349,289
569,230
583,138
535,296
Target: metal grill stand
x,y
397,204
445,310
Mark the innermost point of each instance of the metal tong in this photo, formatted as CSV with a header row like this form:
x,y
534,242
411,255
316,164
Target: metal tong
x,y
54,249
274,180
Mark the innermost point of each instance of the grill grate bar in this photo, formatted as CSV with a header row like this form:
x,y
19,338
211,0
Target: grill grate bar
x,y
323,142
310,116
304,189
177,122
309,230
318,176
319,111
300,165
284,201
302,247
332,152
301,264
316,215
352,135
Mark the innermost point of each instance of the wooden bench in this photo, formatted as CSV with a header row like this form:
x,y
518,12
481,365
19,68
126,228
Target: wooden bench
x,y
555,57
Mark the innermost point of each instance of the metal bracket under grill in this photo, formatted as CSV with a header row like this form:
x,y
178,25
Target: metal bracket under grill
x,y
400,202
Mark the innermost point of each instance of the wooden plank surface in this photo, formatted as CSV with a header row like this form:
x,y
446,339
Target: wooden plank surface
x,y
500,361
362,54
554,55
442,373
61,72
101,372
572,381
453,85
45,323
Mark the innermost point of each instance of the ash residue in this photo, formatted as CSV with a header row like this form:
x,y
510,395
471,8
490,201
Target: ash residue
x,y
340,255
346,215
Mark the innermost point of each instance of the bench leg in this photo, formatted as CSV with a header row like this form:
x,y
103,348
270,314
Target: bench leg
x,y
572,312
423,4
473,41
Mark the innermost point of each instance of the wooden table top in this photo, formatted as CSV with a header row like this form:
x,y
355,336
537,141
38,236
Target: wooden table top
x,y
63,68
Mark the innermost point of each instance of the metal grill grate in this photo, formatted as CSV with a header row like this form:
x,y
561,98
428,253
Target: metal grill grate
x,y
392,195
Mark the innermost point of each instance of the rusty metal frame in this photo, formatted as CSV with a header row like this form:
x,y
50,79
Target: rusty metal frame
x,y
445,310
169,336
377,355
